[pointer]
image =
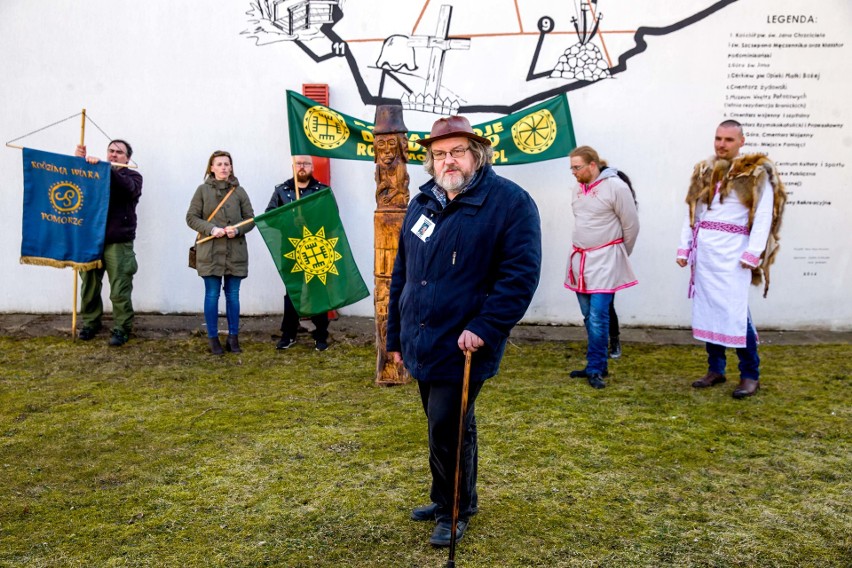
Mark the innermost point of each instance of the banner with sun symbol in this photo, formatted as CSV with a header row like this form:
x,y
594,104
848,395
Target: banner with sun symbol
x,y
312,254
65,208
538,133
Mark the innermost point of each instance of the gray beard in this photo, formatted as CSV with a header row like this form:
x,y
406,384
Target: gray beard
x,y
452,185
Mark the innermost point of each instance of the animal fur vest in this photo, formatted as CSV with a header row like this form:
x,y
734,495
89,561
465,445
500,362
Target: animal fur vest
x,y
744,176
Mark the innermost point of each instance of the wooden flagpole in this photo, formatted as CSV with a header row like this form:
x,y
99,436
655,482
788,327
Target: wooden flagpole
x,y
77,271
211,237
295,177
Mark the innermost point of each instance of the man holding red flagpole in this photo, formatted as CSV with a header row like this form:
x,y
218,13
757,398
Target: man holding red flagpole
x,y
468,263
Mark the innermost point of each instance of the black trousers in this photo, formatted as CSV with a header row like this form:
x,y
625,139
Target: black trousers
x,y
290,323
613,320
442,404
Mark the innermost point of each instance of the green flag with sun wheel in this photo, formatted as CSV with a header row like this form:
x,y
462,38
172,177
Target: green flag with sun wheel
x,y
312,254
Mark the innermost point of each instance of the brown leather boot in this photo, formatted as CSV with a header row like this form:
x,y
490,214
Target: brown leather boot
x,y
232,344
709,380
747,387
216,346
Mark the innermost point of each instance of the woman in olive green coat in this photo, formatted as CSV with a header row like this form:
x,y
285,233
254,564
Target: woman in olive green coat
x,y
225,256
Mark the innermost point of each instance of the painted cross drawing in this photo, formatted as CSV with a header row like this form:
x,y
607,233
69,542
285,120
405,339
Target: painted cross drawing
x,y
445,62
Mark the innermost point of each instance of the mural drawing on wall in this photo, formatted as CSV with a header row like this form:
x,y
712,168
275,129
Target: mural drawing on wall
x,y
453,56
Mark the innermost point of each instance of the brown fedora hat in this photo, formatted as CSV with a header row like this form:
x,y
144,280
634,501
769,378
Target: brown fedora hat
x,y
449,127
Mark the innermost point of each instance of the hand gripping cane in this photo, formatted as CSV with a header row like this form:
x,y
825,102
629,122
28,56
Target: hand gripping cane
x,y
451,562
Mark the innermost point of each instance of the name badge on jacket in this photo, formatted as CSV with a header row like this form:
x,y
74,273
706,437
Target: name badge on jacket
x,y
423,228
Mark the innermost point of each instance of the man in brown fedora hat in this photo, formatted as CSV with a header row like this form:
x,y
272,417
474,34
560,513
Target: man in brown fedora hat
x,y
468,264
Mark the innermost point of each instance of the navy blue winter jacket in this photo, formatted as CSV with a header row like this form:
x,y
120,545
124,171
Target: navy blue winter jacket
x,y
477,271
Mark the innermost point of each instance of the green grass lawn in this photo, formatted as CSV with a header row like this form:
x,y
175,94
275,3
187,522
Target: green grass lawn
x,y
157,454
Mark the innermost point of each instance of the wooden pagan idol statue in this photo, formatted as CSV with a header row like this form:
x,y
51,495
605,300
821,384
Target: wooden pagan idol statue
x,y
391,155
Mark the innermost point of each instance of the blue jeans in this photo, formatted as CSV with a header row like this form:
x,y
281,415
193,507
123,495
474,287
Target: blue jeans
x,y
595,308
212,286
749,360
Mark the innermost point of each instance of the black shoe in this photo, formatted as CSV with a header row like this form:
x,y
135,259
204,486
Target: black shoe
x,y
216,346
285,343
596,381
321,345
425,513
232,344
87,333
118,338
582,374
443,532
614,348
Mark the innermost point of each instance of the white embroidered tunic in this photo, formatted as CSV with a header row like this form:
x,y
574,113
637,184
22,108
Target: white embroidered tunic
x,y
605,229
719,285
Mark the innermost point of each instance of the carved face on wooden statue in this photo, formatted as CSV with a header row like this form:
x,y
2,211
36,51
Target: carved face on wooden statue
x,y
388,148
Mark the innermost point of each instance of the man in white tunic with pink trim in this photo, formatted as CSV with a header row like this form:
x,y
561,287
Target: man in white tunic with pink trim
x,y
729,238
605,229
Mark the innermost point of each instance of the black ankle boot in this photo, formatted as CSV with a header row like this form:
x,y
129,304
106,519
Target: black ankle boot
x,y
233,344
215,346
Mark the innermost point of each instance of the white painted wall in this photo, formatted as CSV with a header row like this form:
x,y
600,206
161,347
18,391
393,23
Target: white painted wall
x,y
178,80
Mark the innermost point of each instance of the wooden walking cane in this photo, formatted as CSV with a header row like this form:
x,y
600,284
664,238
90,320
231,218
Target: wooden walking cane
x,y
76,270
451,562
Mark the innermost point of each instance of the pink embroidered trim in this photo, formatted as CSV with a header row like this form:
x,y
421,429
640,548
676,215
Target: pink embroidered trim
x,y
724,227
683,253
580,280
750,259
713,337
587,188
602,291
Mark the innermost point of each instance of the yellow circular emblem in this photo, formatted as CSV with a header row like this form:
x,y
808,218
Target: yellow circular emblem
x,y
66,197
315,255
535,133
325,128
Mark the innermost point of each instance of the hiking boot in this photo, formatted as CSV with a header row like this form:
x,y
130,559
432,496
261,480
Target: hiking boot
x,y
118,338
87,333
216,346
232,344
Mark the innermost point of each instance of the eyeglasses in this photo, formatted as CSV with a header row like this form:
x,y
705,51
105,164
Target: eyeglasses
x,y
578,168
304,164
455,153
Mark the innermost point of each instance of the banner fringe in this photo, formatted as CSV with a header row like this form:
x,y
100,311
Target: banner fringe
x,y
81,266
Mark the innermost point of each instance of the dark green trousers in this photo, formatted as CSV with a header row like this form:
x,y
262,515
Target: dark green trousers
x,y
120,266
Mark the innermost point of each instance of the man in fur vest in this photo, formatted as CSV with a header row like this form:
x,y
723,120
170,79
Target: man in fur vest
x,y
729,239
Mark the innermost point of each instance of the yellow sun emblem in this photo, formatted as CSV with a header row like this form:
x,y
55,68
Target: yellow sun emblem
x,y
325,128
535,133
314,255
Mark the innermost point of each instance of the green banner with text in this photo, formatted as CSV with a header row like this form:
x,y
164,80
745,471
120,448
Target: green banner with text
x,y
538,133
